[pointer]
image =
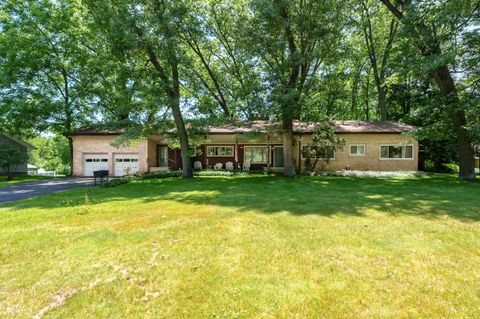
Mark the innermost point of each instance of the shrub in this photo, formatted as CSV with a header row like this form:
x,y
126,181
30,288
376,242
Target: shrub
x,y
214,173
224,172
451,168
209,172
115,182
444,168
165,174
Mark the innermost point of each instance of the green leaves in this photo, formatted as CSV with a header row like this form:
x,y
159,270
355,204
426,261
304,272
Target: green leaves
x,y
11,156
44,68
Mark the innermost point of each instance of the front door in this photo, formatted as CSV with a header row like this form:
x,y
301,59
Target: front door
x,y
162,156
278,156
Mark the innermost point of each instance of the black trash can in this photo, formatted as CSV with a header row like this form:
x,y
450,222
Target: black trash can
x,y
100,176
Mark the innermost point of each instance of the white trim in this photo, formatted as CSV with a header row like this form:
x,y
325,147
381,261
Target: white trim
x,y
357,155
259,146
396,159
213,146
330,159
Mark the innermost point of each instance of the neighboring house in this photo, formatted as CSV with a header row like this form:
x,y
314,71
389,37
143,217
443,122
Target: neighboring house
x,y
375,146
25,147
32,169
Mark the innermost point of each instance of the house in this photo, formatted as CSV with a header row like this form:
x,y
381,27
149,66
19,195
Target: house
x,y
32,169
376,146
24,147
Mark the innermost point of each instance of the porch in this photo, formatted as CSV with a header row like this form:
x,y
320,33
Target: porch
x,y
216,156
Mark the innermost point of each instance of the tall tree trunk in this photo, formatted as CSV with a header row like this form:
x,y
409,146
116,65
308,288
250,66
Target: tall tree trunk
x,y
446,85
9,173
187,169
379,70
367,98
288,158
353,108
172,84
382,102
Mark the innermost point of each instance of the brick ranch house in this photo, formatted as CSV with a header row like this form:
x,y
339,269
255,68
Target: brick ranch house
x,y
372,146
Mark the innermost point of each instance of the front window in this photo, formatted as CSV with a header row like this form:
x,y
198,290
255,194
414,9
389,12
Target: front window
x,y
256,154
357,150
396,152
220,151
318,152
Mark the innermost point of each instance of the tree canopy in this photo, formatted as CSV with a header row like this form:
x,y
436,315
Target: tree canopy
x,y
149,66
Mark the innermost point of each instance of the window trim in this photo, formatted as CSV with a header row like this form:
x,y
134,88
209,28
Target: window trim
x,y
213,146
330,159
357,155
396,159
256,146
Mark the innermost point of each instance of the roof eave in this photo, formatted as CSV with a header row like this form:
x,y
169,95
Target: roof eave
x,y
23,143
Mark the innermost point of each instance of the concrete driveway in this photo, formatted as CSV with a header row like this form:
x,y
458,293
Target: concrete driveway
x,y
32,189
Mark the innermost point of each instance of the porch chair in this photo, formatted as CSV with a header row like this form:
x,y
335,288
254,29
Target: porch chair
x,y
229,166
246,166
218,166
197,165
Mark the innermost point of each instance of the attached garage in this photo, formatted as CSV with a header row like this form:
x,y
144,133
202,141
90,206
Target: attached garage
x,y
126,164
94,162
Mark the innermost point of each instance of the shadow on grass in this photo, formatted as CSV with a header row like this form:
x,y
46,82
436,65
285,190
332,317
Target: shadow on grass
x,y
428,197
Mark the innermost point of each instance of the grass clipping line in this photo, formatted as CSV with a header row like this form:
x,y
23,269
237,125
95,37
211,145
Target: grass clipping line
x,y
61,298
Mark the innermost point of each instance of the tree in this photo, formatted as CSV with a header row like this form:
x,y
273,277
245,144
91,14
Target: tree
x,y
149,32
51,154
322,147
224,73
378,52
44,75
434,27
293,39
9,157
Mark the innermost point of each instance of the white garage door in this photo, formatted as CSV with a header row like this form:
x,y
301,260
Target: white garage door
x,y
95,162
126,164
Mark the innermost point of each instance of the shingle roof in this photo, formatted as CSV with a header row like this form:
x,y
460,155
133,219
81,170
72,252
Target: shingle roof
x,y
25,144
92,130
298,127
309,127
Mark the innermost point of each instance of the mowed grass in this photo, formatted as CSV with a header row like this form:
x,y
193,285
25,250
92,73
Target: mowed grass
x,y
21,179
245,247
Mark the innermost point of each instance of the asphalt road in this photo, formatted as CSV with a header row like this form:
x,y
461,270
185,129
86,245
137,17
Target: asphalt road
x,y
32,189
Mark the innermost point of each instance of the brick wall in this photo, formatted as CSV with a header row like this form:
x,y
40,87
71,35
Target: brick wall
x,y
101,144
85,144
371,161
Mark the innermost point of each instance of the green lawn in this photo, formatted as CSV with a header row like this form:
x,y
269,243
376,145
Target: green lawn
x,y
255,246
20,179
